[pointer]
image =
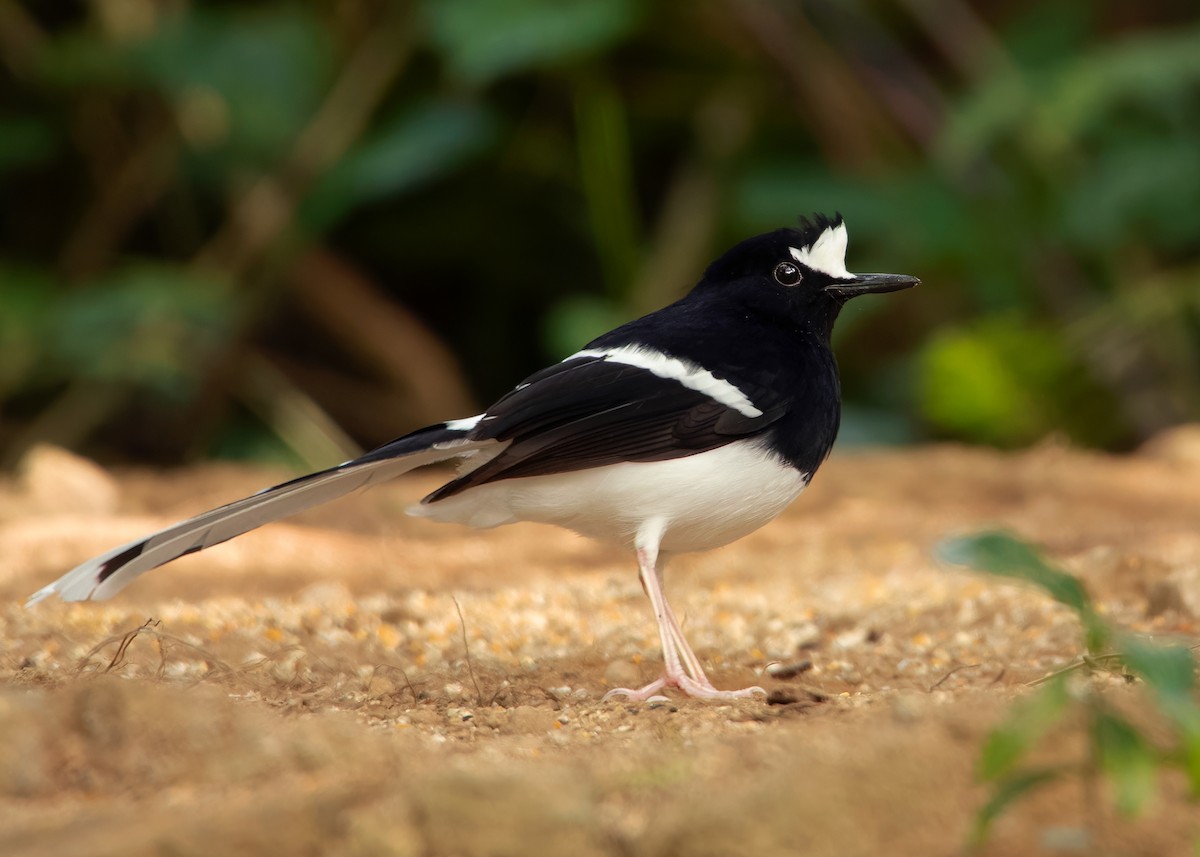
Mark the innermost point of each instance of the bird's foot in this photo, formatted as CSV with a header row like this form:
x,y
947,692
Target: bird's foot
x,y
690,687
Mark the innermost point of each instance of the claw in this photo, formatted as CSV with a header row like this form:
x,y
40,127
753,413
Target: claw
x,y
689,686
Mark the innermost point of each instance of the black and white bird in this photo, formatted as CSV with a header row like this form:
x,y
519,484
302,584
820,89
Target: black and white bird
x,y
680,431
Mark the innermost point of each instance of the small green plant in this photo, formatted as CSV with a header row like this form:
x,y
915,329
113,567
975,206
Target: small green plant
x,y
1118,750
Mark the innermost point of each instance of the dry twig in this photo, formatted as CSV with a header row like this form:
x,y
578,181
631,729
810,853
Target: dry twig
x,y
462,624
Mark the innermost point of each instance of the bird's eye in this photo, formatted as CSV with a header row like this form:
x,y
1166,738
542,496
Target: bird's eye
x,y
787,274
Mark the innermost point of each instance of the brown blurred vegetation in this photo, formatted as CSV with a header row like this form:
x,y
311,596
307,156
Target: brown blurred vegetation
x,y
287,229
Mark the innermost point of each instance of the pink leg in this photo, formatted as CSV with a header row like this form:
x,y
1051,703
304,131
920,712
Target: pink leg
x,y
681,667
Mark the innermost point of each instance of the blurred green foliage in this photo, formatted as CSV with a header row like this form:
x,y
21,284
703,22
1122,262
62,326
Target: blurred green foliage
x,y
1130,756
515,176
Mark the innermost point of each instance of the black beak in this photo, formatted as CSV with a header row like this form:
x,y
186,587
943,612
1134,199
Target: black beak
x,y
863,284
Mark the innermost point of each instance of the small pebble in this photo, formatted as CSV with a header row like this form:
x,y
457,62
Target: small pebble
x,y
850,639
784,671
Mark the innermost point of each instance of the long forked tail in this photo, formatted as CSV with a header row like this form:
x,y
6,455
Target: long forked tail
x,y
105,575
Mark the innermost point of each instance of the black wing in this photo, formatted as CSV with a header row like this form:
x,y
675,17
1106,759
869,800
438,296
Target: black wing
x,y
590,411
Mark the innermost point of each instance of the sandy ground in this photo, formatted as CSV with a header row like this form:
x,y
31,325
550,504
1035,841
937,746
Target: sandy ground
x,y
307,689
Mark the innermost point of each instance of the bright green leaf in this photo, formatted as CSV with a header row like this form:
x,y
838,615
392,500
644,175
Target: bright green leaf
x,y
994,380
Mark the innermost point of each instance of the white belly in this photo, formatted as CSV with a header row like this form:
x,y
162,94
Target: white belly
x,y
706,500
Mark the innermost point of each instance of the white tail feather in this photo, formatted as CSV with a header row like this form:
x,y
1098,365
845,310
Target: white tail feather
x,y
105,575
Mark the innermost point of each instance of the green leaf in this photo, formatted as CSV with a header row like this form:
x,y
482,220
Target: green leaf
x,y
149,325
766,192
266,68
607,178
486,39
1190,759
77,58
1169,670
1051,109
992,110
27,310
997,380
242,82
578,319
1170,673
1127,758
1042,34
1003,554
1144,188
1006,792
24,141
1155,71
414,146
1028,721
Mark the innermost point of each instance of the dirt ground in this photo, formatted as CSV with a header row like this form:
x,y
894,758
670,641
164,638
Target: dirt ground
x,y
307,689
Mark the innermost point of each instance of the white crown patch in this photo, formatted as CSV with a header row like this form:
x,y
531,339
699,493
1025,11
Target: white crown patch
x,y
827,254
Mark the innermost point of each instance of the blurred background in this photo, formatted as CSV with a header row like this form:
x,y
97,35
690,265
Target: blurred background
x,y
282,230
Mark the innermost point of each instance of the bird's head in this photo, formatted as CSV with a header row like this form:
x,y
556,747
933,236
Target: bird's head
x,y
798,273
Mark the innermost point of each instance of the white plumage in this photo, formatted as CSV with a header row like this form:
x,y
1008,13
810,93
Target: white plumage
x,y
827,254
704,500
688,374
